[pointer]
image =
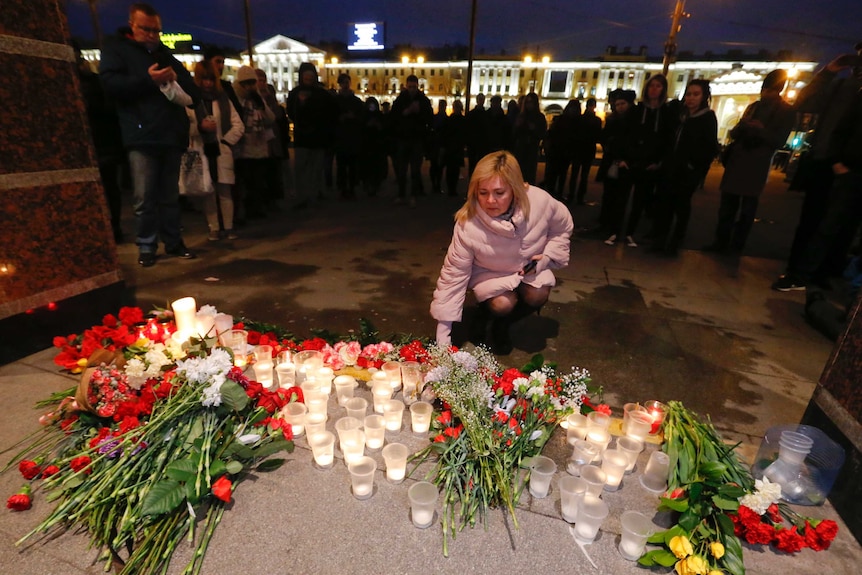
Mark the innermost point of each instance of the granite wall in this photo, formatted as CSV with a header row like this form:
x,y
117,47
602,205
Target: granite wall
x,y
56,243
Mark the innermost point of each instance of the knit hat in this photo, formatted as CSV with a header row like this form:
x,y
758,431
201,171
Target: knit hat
x,y
245,73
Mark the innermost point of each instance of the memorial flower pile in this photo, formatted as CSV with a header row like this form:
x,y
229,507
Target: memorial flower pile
x,y
492,422
719,503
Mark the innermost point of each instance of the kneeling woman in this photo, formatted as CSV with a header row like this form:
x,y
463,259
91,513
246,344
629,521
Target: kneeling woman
x,y
508,237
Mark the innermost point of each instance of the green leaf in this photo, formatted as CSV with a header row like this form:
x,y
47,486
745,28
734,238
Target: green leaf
x,y
661,557
673,532
218,468
233,467
182,470
727,504
163,497
240,451
673,504
731,491
233,395
273,447
270,464
196,430
688,521
732,559
726,524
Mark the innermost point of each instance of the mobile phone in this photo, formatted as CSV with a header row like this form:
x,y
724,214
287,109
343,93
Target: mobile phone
x,y
530,266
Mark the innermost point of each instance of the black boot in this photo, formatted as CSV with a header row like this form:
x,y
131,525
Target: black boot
x,y
500,343
478,333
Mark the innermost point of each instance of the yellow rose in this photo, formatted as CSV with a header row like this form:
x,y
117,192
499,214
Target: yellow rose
x,y
716,572
680,546
717,549
697,565
681,568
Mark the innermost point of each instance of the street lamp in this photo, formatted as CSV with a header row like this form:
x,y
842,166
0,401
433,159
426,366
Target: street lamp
x,y
670,46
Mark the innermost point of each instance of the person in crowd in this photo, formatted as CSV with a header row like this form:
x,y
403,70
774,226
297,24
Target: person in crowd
x,y
411,116
477,135
151,89
587,135
435,149
453,141
215,127
614,172
650,133
844,211
825,100
374,161
508,238
313,111
348,137
513,109
560,147
252,151
107,139
498,127
527,135
279,143
763,128
216,56
685,166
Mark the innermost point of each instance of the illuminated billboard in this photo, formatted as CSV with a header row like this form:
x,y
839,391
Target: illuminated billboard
x,y
367,36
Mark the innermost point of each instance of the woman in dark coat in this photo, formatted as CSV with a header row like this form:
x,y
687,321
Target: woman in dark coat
x,y
685,166
373,159
527,135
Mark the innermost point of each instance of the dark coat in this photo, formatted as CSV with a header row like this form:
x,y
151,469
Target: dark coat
x,y
314,113
694,149
147,118
411,116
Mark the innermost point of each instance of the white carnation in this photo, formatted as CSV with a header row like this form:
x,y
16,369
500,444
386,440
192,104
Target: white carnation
x,y
766,493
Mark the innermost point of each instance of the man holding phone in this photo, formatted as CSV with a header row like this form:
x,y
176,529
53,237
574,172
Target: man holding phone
x,y
150,89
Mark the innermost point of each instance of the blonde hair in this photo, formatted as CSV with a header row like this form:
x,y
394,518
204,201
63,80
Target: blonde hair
x,y
501,164
205,69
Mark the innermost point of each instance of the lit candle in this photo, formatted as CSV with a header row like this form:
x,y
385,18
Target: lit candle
x,y
657,411
423,516
185,310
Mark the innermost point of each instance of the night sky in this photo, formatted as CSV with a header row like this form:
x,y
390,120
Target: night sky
x,y
812,29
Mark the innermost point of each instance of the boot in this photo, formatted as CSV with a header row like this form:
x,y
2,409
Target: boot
x,y
500,343
478,333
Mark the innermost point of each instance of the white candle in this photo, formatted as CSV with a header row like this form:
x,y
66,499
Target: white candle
x,y
324,459
423,516
185,310
395,473
362,489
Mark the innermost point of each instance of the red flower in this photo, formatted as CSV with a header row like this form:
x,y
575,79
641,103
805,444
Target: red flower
x,y
29,469
314,344
788,540
604,408
445,418
677,493
222,488
820,537
501,417
774,514
21,501
440,439
131,315
60,341
109,320
80,463
49,471
253,337
290,392
453,432
759,533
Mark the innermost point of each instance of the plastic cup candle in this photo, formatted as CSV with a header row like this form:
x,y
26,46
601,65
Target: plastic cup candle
x,y
380,377
185,316
614,464
375,431
307,363
352,443
628,409
423,500
323,448
347,423
655,475
591,513
640,423
395,457
632,448
576,427
356,407
381,393
583,453
237,341
315,401
411,381
362,477
600,438
344,388
223,324
657,411
392,369
595,478
284,356
263,353
263,374
314,423
286,374
393,413
205,325
598,420
294,414
420,416
324,377
541,472
636,529
572,491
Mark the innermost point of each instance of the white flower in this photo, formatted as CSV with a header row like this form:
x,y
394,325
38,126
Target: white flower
x,y
766,493
136,373
465,360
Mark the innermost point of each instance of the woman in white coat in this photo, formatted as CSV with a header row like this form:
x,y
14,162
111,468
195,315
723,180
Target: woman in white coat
x,y
508,237
215,128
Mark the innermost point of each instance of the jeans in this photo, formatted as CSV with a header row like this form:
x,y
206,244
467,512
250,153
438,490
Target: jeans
x,y
309,172
155,181
730,231
410,152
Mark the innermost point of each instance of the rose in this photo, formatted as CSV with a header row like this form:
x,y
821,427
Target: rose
x,y
680,546
79,463
696,564
717,549
29,469
50,470
222,488
21,501
348,351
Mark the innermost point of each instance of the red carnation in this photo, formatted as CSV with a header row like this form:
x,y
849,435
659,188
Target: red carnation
x,y
80,463
774,513
109,320
29,469
788,540
60,341
222,488
759,533
50,470
21,501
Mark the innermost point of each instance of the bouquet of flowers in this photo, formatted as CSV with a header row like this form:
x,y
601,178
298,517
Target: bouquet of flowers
x,y
492,422
718,502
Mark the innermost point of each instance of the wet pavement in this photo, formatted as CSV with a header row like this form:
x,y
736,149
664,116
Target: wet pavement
x,y
699,328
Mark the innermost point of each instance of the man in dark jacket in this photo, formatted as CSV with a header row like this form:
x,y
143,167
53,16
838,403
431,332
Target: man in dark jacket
x,y
313,111
151,89
411,116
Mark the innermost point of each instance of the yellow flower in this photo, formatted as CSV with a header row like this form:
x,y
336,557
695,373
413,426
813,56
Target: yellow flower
x,y
717,549
716,572
680,546
697,564
681,568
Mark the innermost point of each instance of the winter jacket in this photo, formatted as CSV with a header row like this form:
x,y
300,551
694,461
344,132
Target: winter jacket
x,y
411,122
314,113
694,149
147,118
845,145
226,138
486,254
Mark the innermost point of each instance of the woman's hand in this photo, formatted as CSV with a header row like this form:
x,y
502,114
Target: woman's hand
x,y
532,267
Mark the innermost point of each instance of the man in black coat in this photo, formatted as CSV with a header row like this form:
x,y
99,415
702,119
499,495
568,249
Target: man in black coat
x,y
411,116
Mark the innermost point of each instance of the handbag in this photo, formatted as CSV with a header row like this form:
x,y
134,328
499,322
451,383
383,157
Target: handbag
x,y
195,179
724,156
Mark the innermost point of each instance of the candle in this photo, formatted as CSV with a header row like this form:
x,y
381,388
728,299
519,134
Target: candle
x,y
185,310
423,517
657,411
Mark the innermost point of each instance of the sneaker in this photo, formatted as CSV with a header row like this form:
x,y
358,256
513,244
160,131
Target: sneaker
x,y
630,242
181,251
611,240
213,237
147,259
788,283
231,235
